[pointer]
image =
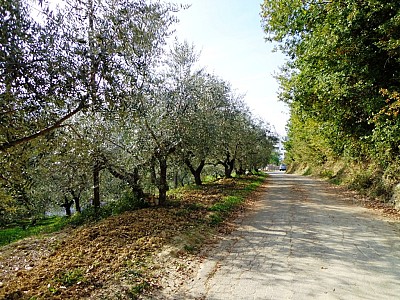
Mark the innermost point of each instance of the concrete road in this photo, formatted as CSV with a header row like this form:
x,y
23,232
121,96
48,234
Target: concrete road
x,y
303,242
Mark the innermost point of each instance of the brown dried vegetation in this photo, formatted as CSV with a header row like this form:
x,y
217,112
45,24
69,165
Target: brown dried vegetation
x,y
116,258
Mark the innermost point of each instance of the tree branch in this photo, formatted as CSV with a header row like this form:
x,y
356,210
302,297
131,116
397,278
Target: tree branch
x,y
57,124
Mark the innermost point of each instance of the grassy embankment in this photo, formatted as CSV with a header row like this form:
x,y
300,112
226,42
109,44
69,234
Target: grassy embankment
x,y
367,179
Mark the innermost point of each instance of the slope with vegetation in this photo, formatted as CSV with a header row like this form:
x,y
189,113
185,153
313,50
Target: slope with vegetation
x,y
341,82
125,255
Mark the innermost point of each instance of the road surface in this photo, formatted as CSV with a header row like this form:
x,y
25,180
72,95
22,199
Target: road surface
x,y
303,241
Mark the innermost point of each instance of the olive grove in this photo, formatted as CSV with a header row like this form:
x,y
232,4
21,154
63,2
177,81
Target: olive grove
x,y
94,108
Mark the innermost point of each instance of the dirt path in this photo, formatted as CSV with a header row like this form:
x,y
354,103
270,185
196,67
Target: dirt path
x,y
303,241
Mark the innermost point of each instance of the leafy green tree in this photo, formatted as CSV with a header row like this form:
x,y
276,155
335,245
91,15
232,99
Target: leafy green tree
x,y
63,175
231,127
121,41
257,146
342,55
198,96
17,181
201,126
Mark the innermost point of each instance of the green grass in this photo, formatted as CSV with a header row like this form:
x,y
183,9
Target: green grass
x,y
227,204
24,229
137,289
254,185
221,209
231,202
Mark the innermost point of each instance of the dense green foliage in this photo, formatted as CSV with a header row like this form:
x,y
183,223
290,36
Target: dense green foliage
x,y
341,80
95,111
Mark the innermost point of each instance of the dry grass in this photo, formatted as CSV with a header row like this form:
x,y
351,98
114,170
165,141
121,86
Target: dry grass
x,y
118,257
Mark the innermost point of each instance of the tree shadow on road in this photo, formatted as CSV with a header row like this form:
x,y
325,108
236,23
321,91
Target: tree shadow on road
x,y
304,242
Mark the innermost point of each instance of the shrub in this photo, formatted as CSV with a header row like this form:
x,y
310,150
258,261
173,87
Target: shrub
x,y
70,277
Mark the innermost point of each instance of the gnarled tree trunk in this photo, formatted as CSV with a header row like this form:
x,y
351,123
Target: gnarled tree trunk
x,y
67,205
228,164
132,178
196,172
77,199
162,180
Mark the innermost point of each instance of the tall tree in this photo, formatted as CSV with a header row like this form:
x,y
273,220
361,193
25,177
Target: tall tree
x,y
202,126
342,55
232,122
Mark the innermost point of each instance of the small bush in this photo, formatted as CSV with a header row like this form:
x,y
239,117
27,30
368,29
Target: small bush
x,y
127,203
381,190
327,174
361,182
88,215
216,218
307,171
336,181
70,277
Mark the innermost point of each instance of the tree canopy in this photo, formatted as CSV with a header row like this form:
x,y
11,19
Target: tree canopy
x,y
342,77
95,109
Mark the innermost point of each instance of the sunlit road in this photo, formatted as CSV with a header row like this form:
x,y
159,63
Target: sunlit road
x,y
302,242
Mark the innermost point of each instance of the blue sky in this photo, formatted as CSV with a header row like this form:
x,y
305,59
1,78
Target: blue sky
x,y
229,35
